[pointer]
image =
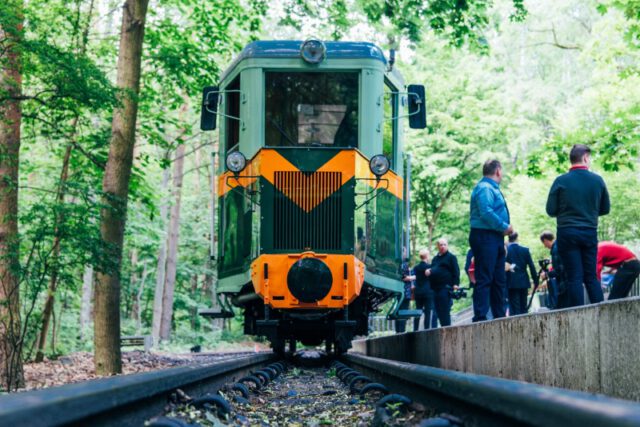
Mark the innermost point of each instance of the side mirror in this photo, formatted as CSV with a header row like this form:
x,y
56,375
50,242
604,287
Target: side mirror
x,y
417,107
209,112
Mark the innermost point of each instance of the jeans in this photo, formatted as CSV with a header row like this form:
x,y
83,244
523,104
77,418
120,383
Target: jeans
x,y
489,258
563,295
424,303
442,305
517,301
578,250
624,278
552,292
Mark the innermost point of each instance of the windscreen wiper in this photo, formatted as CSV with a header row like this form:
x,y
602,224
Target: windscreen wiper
x,y
282,132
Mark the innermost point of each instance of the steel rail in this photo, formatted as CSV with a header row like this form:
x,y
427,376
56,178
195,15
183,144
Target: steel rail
x,y
126,400
484,400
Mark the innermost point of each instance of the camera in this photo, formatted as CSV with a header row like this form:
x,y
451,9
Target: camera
x,y
459,293
544,264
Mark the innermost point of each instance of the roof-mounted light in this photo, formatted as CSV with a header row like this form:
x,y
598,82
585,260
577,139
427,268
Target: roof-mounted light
x,y
313,51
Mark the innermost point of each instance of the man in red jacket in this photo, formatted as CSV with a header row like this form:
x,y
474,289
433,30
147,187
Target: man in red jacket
x,y
626,263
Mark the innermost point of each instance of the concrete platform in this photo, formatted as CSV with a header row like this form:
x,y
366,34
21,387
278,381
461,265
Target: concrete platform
x,y
594,348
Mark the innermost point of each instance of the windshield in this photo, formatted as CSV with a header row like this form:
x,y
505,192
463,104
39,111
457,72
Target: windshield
x,y
317,109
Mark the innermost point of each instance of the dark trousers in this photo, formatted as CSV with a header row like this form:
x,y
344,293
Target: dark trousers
x,y
442,305
424,303
552,294
490,289
563,295
401,325
517,301
624,278
578,249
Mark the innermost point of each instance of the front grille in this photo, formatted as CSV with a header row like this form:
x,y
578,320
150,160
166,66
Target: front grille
x,y
307,211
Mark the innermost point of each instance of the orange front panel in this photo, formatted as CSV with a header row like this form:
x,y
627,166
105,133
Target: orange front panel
x,y
349,163
273,288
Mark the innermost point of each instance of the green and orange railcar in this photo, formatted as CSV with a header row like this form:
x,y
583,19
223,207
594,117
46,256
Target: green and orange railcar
x,y
312,193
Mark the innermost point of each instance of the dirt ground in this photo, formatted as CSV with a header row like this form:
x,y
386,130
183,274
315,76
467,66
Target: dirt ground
x,y
78,367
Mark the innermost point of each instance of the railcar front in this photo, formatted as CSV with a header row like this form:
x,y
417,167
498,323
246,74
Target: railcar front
x,y
311,195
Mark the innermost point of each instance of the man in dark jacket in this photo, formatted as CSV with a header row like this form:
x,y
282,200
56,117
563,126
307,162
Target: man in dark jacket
x,y
407,278
422,292
444,276
576,200
518,282
556,284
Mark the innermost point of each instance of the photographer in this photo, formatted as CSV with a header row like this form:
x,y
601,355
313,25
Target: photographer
x,y
423,294
407,278
518,282
556,285
444,275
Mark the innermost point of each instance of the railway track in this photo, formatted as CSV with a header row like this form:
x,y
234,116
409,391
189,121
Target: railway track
x,y
354,390
127,400
479,400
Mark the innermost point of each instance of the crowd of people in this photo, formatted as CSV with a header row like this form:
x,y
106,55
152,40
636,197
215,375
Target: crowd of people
x,y
501,273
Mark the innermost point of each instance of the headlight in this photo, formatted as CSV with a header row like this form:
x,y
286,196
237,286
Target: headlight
x,y
236,161
379,165
313,51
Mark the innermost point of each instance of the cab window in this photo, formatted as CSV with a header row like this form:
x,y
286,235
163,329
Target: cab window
x,y
311,109
232,112
390,122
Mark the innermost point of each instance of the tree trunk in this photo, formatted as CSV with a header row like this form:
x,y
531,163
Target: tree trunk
x,y
115,186
87,293
11,374
172,245
194,309
53,281
414,230
161,268
55,323
133,282
143,281
137,304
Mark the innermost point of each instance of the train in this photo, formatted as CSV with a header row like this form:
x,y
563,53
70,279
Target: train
x,y
311,195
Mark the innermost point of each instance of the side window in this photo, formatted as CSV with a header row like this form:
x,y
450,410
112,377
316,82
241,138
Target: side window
x,y
232,109
389,124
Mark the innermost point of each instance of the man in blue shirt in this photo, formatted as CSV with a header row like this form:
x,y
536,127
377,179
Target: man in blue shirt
x,y
489,217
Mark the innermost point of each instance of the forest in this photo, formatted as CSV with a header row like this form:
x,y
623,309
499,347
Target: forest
x,y
105,176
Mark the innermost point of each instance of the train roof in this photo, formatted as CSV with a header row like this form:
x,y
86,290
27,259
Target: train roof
x,y
291,49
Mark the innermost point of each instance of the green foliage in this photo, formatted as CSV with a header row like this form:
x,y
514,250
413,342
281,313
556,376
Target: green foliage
x,y
468,123
557,73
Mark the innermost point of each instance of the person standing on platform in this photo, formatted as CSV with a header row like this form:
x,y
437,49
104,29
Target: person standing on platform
x,y
625,263
556,286
576,199
422,292
490,222
407,278
444,276
518,281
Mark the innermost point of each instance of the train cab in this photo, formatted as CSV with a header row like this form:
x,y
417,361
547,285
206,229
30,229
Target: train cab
x,y
312,187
